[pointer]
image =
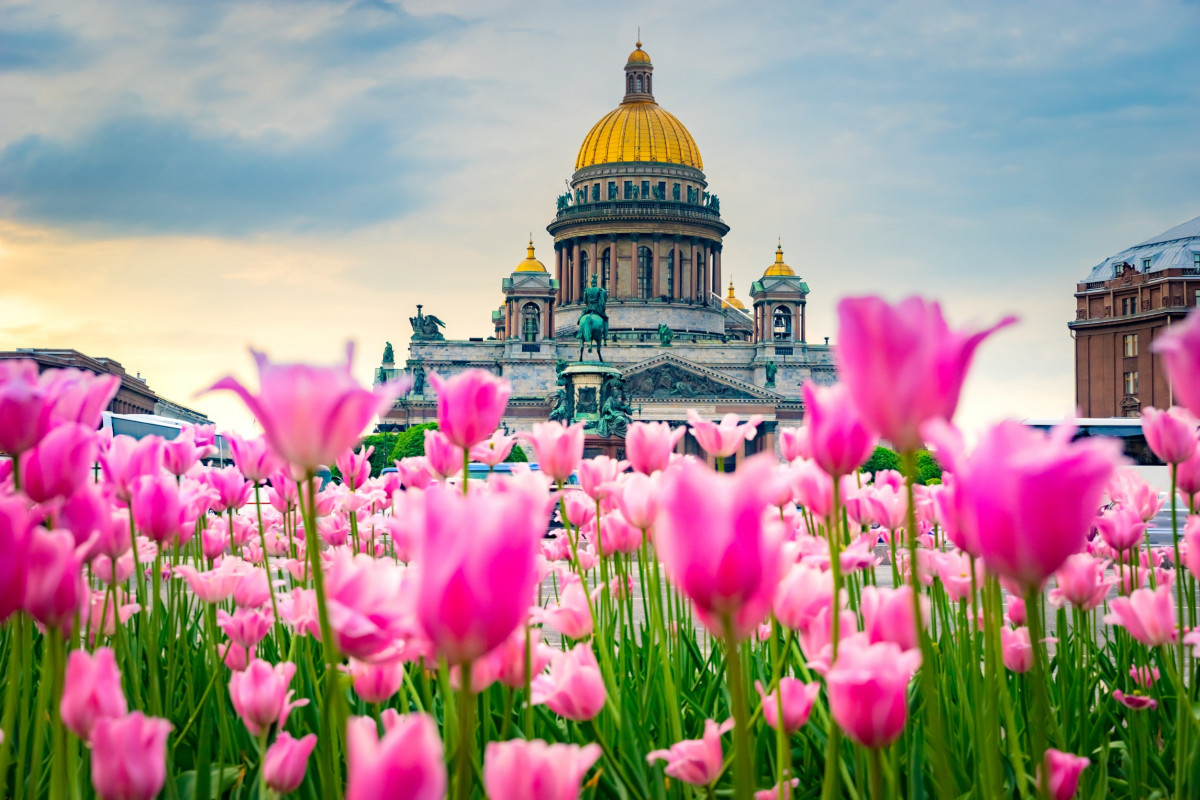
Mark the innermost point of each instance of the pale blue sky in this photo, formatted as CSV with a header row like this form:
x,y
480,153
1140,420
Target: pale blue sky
x,y
178,180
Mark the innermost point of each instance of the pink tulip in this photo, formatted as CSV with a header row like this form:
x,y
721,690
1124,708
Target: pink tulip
x,y
55,590
129,757
218,584
637,497
840,441
571,616
1171,434
161,510
245,626
377,683
470,405
574,688
1147,614
902,364
559,448
406,764
254,457
58,466
1144,676
91,691
443,458
1026,499
1016,611
415,472
103,614
79,395
954,569
510,658
25,406
649,445
183,452
310,415
1179,347
1137,702
716,545
1129,489
1121,528
286,760
16,529
355,467
888,615
1016,649
520,770
776,793
794,443
1191,543
812,488
260,694
616,535
88,512
367,610
232,489
802,594
580,508
1187,477
695,761
128,459
476,581
494,450
597,476
723,440
1081,582
867,689
798,699
1064,770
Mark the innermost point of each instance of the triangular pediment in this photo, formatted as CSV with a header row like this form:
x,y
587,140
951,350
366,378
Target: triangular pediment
x,y
669,377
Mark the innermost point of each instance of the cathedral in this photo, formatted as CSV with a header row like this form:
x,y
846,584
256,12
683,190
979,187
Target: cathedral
x,y
633,321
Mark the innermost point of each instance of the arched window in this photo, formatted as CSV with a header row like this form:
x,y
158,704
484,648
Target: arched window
x,y
583,271
782,324
531,322
630,89
605,266
645,273
685,268
639,82
671,272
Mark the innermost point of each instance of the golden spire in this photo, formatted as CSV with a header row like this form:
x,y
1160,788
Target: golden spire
x,y
779,268
730,301
530,264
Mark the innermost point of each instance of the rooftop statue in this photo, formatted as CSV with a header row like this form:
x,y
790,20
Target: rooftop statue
x,y
389,355
425,327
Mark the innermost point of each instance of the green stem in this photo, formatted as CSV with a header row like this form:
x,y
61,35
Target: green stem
x,y
17,636
743,762
876,769
466,735
262,538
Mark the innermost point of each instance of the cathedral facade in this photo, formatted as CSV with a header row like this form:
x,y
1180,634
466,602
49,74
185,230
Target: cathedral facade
x,y
637,270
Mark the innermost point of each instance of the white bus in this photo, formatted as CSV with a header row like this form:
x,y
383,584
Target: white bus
x,y
139,425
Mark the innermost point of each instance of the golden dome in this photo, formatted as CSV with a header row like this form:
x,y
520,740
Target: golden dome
x,y
639,131
779,268
732,302
639,56
530,264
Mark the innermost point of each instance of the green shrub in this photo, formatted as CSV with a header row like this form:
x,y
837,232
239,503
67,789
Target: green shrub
x,y
411,442
882,458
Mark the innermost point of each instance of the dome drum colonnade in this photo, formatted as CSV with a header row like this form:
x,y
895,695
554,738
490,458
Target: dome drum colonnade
x,y
638,216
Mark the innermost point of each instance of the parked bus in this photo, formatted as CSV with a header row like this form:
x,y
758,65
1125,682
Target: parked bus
x,y
140,425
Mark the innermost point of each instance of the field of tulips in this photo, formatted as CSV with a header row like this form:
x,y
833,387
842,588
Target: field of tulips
x,y
176,630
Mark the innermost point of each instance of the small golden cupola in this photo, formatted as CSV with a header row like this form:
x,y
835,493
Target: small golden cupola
x,y
732,302
530,264
779,268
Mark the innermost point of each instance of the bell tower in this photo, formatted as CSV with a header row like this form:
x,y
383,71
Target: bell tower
x,y
639,76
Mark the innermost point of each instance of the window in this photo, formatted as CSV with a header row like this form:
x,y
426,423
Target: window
x,y
605,266
639,82
583,271
645,273
1196,260
662,191
781,325
1131,382
530,322
1131,345
1129,305
628,190
1145,264
646,190
671,273
630,89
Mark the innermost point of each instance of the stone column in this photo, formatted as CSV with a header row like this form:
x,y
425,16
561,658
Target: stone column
x,y
702,276
613,283
803,336
593,262
655,289
575,270
677,268
558,270
717,271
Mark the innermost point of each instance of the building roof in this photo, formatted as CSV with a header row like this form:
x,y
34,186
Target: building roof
x,y
530,264
1172,249
779,268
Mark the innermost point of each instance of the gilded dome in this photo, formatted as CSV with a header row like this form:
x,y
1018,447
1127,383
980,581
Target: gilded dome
x,y
530,264
732,302
779,268
639,56
639,130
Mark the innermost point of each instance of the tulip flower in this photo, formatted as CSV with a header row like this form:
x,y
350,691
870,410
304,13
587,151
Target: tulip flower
x,y
1026,499
1148,615
476,581
1191,539
649,445
1136,702
616,535
510,658
1179,347
470,405
802,594
25,406
1016,612
55,590
520,770
1064,770
1016,649
58,466
232,489
597,476
183,452
574,687
559,448
129,757
839,439
79,395
286,760
368,612
218,584
1129,489
161,510
722,440
798,699
902,364
695,761
494,450
637,497
1121,528
16,528
406,764
867,689
377,683
888,615
794,443
776,793
812,488
571,616
245,626
1081,582
1144,676
1171,434
716,545
310,415
104,613
254,457
260,694
355,467
91,691
443,458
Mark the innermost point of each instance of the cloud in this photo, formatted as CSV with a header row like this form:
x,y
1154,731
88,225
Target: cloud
x,y
148,175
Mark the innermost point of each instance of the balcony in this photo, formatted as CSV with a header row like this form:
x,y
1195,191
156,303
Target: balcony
x,y
638,209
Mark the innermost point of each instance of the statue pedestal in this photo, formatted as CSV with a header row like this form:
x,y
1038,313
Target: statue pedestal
x,y
586,382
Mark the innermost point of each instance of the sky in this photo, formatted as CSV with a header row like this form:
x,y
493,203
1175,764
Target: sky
x,y
180,181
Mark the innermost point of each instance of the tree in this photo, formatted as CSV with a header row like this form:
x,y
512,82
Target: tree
x,y
383,444
928,469
411,442
883,458
517,456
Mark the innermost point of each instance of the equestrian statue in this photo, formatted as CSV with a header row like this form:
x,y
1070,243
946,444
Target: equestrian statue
x,y
593,323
